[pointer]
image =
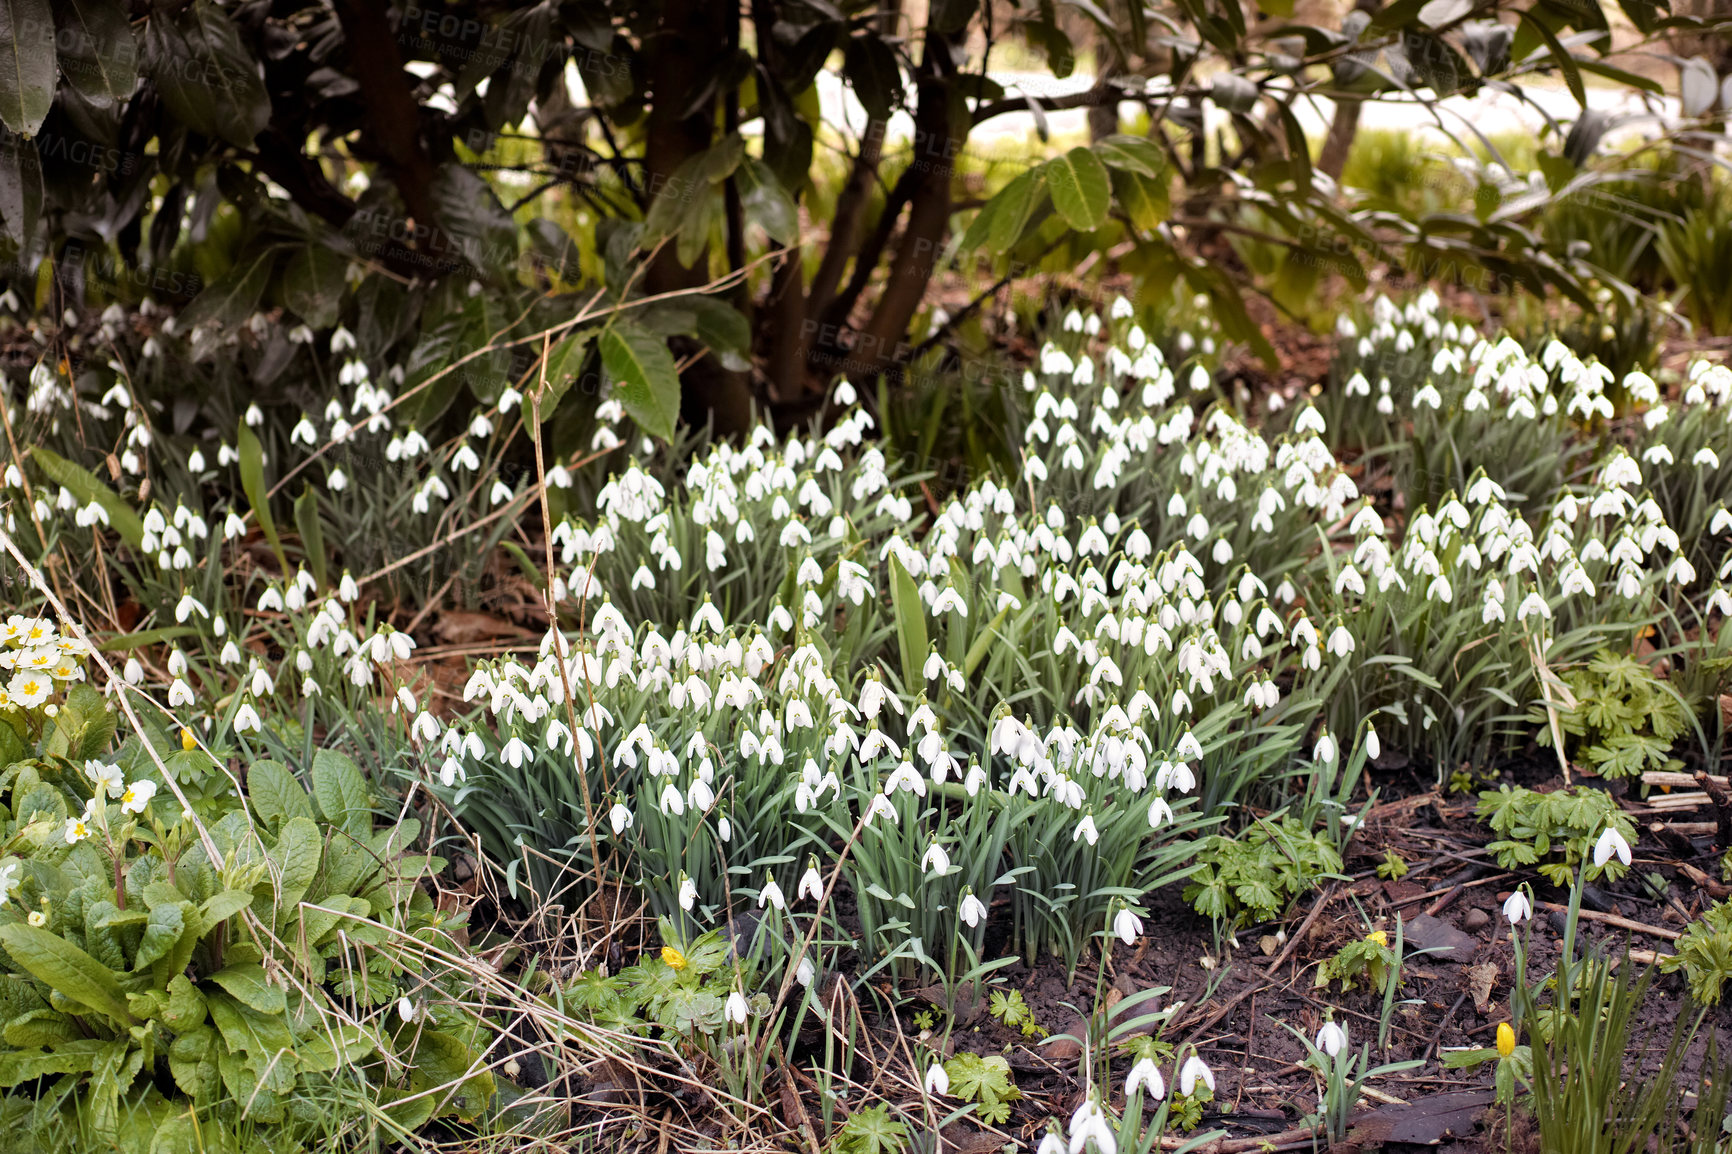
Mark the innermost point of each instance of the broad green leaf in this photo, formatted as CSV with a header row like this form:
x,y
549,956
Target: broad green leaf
x,y
341,792
910,624
205,75
767,203
1145,200
1017,204
1136,154
252,463
294,864
1080,189
441,1059
52,959
20,190
83,485
276,795
564,363
870,67
98,49
229,300
722,328
85,724
1566,63
248,984
162,933
312,534
19,1066
220,907
644,377
27,64
312,285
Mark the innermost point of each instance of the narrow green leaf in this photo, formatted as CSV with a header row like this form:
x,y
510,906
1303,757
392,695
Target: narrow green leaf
x,y
910,624
644,377
82,484
252,463
312,533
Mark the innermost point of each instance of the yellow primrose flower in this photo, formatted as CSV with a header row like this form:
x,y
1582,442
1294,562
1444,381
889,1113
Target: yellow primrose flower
x,y
1505,1039
673,958
38,918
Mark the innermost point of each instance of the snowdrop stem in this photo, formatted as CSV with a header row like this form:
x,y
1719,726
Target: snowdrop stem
x,y
817,916
559,658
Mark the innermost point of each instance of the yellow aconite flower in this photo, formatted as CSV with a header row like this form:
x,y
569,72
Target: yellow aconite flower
x,y
1379,937
1505,1039
187,741
674,959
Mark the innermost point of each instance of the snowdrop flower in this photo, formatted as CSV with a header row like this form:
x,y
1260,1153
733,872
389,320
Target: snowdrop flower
x,y
688,892
1086,829
1517,908
620,818
937,1081
247,719
935,859
803,973
811,884
1146,1075
1332,1039
771,893
972,910
179,694
1611,844
1191,1072
1089,1124
736,1008
1127,926
1051,1143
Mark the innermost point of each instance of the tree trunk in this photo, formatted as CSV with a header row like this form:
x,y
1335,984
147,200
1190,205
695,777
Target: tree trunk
x,y
936,145
684,43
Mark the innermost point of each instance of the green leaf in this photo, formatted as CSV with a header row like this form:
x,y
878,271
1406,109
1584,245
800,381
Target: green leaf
x,y
312,534
231,298
312,285
20,190
910,624
98,50
220,907
1080,188
121,642
726,332
1016,206
85,724
161,934
1146,200
83,485
644,377
252,463
19,1066
276,795
767,202
27,64
341,792
248,984
295,863
65,968
564,363
205,74
1136,154
870,66
1566,63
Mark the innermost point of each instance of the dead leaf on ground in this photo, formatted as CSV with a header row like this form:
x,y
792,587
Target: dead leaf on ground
x,y
1480,980
1426,1122
461,627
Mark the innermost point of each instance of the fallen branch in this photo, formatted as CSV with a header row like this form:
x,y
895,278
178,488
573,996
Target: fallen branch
x,y
1614,920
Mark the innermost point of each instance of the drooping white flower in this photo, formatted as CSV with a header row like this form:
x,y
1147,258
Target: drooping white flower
x,y
1517,908
1611,844
1146,1075
1332,1039
1127,926
1193,1071
937,1081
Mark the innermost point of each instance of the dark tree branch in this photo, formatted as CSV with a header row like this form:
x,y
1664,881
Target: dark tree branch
x,y
1091,98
